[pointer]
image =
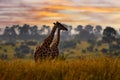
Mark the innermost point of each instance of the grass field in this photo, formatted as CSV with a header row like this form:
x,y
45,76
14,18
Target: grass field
x,y
88,68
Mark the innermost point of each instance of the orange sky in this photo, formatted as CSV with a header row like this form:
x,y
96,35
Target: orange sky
x,y
72,12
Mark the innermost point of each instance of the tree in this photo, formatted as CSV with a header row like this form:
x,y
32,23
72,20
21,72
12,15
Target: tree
x,y
89,28
6,31
12,31
34,31
84,35
98,28
79,28
66,35
109,34
97,31
24,31
42,30
48,29
69,30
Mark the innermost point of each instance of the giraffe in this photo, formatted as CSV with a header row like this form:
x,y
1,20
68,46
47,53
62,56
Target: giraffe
x,y
43,51
54,46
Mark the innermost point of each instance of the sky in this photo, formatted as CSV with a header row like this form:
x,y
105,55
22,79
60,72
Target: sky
x,y
71,12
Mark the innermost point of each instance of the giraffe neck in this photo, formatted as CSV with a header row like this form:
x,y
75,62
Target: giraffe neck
x,y
58,37
49,39
57,40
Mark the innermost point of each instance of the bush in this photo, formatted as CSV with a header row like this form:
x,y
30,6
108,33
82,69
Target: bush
x,y
68,44
3,56
0,47
21,51
90,48
99,43
10,43
114,47
19,55
104,50
24,49
96,50
31,43
5,50
92,42
83,51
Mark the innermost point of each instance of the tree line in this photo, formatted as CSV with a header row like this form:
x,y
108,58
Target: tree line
x,y
27,32
94,35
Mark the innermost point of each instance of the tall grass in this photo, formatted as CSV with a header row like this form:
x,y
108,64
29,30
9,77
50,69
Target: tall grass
x,y
100,68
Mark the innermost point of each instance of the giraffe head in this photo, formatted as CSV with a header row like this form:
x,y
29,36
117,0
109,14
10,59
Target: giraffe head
x,y
60,26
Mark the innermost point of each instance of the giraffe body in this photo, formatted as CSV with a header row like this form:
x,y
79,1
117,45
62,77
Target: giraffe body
x,y
45,51
55,45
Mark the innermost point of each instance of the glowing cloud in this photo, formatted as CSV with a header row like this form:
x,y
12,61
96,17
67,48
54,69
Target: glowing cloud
x,y
74,12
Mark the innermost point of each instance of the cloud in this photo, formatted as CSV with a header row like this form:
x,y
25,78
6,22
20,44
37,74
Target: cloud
x,y
73,12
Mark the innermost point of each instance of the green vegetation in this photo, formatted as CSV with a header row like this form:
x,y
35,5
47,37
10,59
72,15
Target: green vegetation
x,y
20,41
71,48
87,55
